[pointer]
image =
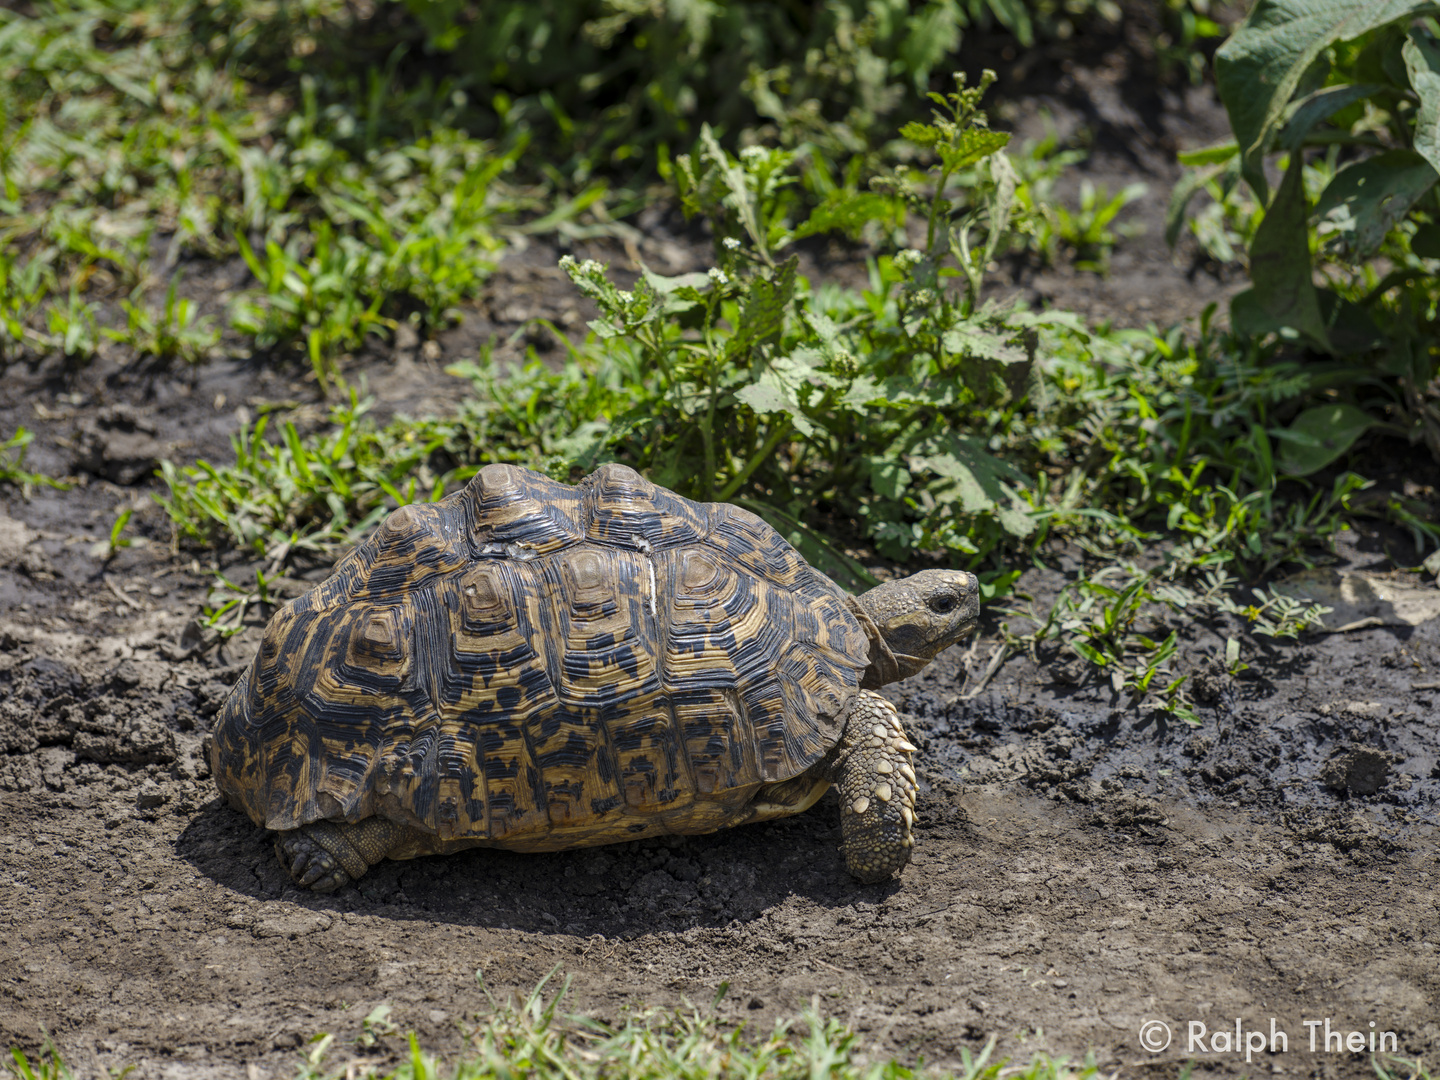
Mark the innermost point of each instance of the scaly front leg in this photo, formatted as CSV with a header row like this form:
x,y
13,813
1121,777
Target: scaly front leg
x,y
877,790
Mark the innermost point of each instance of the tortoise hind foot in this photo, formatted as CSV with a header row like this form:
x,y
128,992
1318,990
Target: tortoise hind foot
x,y
877,791
324,855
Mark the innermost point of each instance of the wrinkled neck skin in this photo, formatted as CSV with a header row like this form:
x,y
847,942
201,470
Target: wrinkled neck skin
x,y
886,665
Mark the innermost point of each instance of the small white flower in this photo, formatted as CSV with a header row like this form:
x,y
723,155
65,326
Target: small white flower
x,y
591,268
907,258
567,263
752,153
719,276
732,244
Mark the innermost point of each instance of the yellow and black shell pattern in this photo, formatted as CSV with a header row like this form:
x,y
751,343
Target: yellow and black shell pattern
x,y
532,665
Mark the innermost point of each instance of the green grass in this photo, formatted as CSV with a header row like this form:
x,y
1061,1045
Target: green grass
x,y
538,1039
124,124
12,464
366,166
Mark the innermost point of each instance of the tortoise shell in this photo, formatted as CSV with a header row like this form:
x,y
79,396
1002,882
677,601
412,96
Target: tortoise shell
x,y
528,664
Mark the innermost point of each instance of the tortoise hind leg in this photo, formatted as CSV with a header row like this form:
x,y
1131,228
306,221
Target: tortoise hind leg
x,y
877,790
325,855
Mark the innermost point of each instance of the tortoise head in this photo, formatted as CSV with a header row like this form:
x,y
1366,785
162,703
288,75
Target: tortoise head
x,y
912,620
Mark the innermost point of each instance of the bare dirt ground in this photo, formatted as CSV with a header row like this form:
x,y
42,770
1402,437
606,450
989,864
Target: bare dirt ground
x,y
1082,869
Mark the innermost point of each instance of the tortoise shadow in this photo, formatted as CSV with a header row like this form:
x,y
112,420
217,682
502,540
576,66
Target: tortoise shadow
x,y
665,884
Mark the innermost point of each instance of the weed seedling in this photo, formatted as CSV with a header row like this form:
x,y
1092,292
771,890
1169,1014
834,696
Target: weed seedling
x,y
12,465
176,331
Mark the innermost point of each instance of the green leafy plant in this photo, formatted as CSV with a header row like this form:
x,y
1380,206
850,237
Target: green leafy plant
x,y
1225,226
837,77
376,1026
536,1037
750,388
1124,621
117,129
1343,96
48,1064
1187,26
12,464
227,604
176,331
300,494
25,285
117,540
72,328
1086,231
408,234
316,297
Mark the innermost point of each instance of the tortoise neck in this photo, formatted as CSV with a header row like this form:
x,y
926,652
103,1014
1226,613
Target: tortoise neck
x,y
886,665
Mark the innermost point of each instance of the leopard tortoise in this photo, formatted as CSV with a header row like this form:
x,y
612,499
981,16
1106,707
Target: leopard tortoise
x,y
535,666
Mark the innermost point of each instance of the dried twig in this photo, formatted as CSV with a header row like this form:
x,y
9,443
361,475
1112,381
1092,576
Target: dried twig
x,y
996,659
122,597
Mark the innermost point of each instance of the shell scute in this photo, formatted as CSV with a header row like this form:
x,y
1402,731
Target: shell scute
x,y
518,514
623,509
414,546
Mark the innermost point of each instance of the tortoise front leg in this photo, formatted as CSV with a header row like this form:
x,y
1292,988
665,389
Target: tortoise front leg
x,y
325,855
877,790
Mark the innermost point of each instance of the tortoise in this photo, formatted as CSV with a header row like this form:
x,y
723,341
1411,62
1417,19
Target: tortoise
x,y
536,666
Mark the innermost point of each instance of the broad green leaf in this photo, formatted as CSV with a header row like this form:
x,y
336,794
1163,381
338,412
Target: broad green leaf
x,y
802,369
680,293
1015,521
666,285
888,477
849,212
1318,106
832,346
1259,69
864,391
1365,200
1352,330
1188,186
1002,200
979,475
1426,241
969,340
1060,320
769,394
741,198
972,145
1422,61
1280,262
763,316
1320,435
1208,155
920,134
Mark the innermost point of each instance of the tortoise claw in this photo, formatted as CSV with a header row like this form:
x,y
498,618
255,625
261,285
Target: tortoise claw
x,y
309,864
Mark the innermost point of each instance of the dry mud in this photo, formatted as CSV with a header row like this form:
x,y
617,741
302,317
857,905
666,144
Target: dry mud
x,y
1083,869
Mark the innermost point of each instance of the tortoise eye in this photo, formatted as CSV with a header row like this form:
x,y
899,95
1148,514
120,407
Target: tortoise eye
x,y
942,603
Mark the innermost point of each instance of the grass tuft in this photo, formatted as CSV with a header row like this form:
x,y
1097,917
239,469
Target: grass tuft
x,y
538,1040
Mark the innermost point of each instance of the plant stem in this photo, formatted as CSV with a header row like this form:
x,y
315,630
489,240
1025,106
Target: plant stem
x,y
778,432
